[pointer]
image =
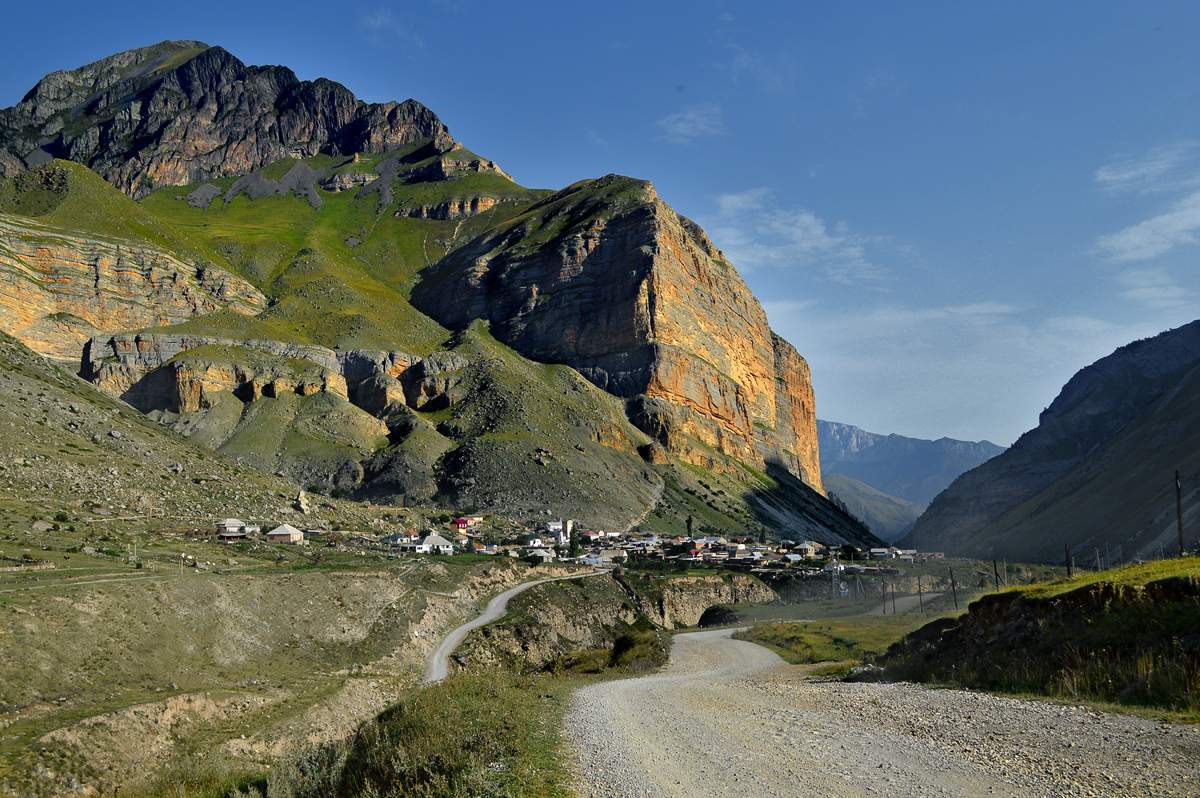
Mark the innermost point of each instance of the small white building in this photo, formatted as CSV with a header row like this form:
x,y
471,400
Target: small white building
x,y
435,544
285,533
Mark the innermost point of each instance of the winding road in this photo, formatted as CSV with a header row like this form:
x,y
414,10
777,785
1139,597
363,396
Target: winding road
x,y
728,718
437,664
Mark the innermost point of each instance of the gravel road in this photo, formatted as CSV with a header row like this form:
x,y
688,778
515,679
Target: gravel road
x,y
728,718
437,664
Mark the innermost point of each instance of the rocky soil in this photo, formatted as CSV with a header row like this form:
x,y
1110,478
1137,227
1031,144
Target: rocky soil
x,y
726,718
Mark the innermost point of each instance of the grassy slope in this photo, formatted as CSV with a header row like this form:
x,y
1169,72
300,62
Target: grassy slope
x,y
888,516
1125,636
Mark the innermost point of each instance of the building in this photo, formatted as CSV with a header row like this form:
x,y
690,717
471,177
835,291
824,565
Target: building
x,y
231,525
535,542
561,531
540,555
398,539
434,544
461,523
285,533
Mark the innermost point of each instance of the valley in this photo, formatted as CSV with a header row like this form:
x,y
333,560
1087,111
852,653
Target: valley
x,y
334,461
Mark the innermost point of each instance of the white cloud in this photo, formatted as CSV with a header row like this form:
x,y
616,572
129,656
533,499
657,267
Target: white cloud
x,y
1154,288
756,232
381,24
691,123
1163,168
1178,226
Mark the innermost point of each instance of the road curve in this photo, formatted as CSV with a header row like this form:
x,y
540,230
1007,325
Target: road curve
x,y
437,664
727,718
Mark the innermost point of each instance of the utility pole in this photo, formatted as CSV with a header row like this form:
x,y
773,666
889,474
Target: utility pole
x,y
893,598
1179,511
1067,557
954,588
1098,568
920,594
996,574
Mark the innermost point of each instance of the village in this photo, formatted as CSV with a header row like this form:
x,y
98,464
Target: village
x,y
563,541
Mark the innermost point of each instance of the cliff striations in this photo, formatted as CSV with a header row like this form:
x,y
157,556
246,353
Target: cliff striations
x,y
605,277
58,288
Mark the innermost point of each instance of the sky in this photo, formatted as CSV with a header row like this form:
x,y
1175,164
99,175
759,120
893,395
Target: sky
x,y
948,208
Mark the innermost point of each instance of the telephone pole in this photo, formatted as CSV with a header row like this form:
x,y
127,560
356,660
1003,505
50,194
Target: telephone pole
x,y
1179,511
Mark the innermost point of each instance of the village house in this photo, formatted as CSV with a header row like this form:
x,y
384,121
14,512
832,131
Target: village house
x,y
540,555
809,549
535,541
285,533
232,529
430,544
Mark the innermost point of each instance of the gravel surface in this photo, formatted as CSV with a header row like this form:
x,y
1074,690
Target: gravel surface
x,y
728,718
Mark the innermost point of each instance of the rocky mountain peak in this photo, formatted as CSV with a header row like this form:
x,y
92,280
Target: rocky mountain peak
x,y
183,112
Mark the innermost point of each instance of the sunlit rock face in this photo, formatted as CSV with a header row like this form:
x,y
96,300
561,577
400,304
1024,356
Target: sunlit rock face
x,y
606,277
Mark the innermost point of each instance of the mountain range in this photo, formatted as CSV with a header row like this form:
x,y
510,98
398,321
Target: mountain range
x,y
341,294
1096,477
888,480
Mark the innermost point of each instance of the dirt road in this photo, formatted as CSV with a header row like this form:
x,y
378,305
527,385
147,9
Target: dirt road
x,y
727,718
437,665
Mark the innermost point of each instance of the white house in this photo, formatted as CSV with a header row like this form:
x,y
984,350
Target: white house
x,y
435,544
285,533
535,542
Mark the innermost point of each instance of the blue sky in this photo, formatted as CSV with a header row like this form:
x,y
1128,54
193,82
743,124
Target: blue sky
x,y
947,207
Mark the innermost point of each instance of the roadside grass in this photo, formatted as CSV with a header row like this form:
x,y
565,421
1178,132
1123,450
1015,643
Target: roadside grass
x,y
833,640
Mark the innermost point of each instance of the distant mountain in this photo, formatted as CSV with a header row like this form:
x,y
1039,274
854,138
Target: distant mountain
x,y
912,469
888,516
1097,471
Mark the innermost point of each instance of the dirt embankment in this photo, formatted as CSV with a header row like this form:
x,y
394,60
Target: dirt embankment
x,y
1134,644
554,619
107,683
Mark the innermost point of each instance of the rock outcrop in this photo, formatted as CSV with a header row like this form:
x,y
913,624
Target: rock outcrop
x,y
147,371
183,112
604,276
59,288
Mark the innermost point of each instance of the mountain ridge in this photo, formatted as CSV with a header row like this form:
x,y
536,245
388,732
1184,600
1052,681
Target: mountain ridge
x,y
351,220
1076,431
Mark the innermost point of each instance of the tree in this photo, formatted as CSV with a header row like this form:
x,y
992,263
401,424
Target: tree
x,y
691,523
574,544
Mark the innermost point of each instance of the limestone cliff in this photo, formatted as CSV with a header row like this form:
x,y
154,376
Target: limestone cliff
x,y
605,277
182,112
59,288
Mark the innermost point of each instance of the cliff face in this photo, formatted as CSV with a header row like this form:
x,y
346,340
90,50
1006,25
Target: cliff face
x,y
183,112
1079,433
605,277
57,288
